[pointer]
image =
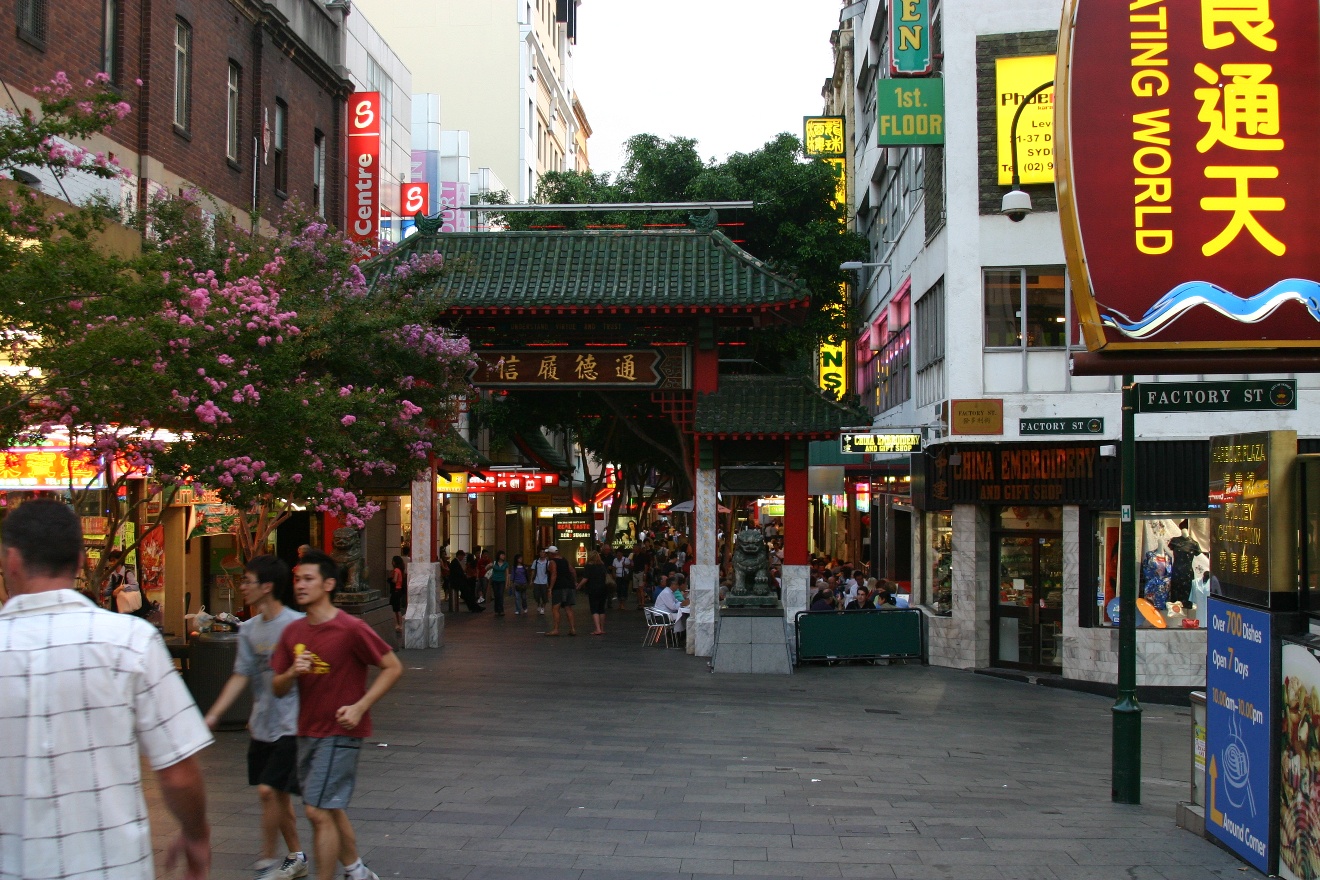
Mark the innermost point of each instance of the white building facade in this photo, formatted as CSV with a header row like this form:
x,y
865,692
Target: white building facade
x,y
503,72
967,332
374,66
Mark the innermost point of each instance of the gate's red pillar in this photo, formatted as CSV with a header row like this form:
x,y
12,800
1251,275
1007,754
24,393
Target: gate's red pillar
x,y
796,499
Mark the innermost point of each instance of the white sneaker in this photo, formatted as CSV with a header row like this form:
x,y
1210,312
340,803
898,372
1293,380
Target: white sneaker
x,y
294,866
541,611
265,870
370,875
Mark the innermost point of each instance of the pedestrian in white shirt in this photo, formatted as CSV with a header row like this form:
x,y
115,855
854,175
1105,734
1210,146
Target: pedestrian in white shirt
x,y
83,692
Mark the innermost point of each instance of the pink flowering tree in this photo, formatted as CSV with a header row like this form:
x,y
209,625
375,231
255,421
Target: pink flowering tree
x,y
69,113
262,367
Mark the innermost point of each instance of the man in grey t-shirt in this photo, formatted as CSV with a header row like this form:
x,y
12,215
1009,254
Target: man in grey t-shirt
x,y
273,724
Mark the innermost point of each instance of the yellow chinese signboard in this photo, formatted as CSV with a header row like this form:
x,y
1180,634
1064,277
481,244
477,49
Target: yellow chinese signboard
x,y
823,137
1015,78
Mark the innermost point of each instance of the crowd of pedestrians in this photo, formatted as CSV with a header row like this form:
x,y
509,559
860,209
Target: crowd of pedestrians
x,y
486,579
83,692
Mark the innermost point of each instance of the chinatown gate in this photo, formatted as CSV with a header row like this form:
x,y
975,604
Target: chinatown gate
x,y
639,312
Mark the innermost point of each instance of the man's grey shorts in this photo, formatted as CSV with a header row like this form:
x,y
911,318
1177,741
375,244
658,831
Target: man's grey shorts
x,y
327,770
564,597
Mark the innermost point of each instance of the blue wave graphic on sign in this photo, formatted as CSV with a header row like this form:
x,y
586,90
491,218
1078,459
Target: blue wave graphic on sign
x,y
1191,294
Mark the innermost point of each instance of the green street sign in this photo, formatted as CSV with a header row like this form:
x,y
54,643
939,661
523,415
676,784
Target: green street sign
x,y
1039,427
1228,396
909,38
909,112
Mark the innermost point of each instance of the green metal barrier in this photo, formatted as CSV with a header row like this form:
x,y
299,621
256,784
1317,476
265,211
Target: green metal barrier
x,y
860,635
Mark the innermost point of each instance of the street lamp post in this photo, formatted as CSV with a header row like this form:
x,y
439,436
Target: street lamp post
x,y
1125,778
1017,203
1125,768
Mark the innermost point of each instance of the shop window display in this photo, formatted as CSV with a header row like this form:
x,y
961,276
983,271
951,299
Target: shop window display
x,y
941,571
1174,577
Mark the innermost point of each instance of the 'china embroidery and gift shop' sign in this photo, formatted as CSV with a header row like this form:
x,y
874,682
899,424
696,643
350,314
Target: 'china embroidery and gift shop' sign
x,y
1188,167
363,215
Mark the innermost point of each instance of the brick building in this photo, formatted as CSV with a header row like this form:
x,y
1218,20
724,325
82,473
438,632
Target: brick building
x,y
241,98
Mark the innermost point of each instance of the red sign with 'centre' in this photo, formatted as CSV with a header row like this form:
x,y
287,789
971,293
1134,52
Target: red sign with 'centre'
x,y
363,220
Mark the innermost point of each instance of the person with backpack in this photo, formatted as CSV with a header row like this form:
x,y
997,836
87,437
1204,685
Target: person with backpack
x,y
498,573
518,577
563,596
541,581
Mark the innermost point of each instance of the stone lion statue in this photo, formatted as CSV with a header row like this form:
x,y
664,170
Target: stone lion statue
x,y
348,553
751,568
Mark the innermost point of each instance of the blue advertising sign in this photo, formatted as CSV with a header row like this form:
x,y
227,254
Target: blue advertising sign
x,y
1239,724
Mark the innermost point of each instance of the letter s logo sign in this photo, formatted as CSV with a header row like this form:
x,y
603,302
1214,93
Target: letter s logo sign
x,y
364,114
414,200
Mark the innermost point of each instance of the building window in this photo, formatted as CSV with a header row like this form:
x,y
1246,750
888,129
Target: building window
x,y
379,81
281,138
232,106
110,39
318,172
31,16
930,331
1026,308
182,74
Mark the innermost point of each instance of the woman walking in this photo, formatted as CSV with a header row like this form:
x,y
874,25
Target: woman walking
x,y
461,582
499,579
593,581
518,577
398,592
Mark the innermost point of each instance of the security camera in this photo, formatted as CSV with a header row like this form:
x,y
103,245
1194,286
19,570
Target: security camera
x,y
1016,205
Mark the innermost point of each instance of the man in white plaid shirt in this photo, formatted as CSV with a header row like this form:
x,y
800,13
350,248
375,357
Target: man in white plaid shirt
x,y
82,691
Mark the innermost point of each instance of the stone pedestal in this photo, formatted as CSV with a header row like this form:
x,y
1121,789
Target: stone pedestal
x,y
795,587
705,590
423,622
377,613
752,640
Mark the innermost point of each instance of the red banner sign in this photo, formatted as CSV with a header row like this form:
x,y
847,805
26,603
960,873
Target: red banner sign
x,y
363,220
512,481
1188,170
415,199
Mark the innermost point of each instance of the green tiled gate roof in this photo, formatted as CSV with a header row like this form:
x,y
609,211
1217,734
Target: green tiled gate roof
x,y
772,405
591,270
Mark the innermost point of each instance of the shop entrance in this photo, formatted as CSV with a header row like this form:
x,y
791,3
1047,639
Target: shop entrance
x,y
1026,611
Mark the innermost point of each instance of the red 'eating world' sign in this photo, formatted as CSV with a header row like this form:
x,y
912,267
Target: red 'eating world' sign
x,y
1188,170
363,218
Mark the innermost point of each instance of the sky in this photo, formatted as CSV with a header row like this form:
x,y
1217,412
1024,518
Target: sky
x,y
730,73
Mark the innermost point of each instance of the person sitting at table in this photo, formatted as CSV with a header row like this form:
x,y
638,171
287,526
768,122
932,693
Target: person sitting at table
x,y
883,595
860,602
823,601
676,610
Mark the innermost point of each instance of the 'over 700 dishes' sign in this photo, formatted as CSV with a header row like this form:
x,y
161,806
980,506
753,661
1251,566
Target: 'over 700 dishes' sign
x,y
1188,167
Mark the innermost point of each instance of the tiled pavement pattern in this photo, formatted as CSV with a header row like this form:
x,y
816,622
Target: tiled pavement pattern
x,y
507,755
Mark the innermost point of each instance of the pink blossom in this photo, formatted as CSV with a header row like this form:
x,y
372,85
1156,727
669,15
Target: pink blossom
x,y
348,420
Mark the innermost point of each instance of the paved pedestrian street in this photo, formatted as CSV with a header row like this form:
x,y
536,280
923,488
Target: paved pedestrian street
x,y
508,755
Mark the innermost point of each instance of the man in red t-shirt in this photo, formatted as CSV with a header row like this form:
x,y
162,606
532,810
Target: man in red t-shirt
x,y
327,653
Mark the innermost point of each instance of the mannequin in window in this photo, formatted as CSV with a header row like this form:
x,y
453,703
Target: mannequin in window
x,y
1183,549
1204,584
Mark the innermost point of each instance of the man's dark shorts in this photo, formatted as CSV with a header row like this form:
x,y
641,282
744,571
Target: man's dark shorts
x,y
564,597
274,764
327,770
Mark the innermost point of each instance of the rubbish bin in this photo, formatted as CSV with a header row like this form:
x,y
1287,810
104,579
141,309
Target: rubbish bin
x,y
210,663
